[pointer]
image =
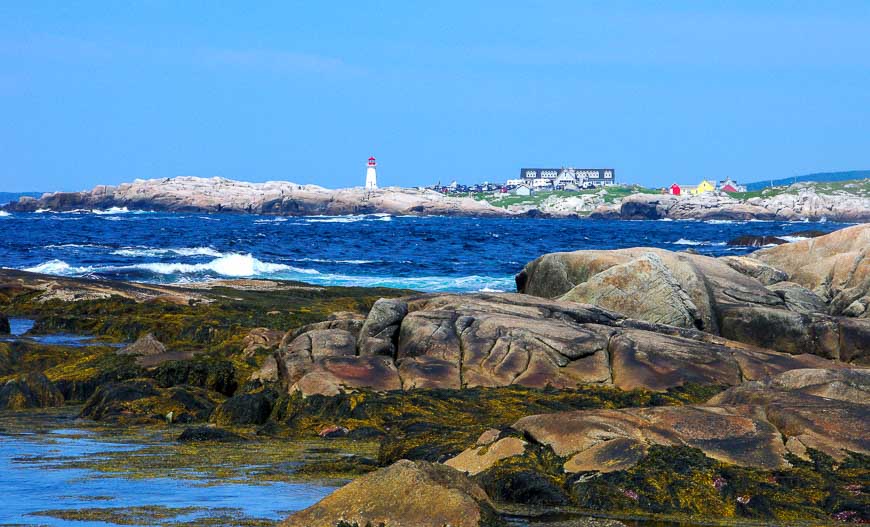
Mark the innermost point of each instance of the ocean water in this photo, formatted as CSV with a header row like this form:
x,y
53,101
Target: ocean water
x,y
423,253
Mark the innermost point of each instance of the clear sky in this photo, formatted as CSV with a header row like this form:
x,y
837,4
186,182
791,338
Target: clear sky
x,y
104,92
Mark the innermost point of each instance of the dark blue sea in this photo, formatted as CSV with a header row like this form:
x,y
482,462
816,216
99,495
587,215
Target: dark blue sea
x,y
423,253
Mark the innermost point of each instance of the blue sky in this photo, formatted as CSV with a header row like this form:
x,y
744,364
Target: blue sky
x,y
104,92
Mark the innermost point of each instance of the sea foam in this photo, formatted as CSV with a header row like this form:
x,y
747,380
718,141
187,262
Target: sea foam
x,y
135,252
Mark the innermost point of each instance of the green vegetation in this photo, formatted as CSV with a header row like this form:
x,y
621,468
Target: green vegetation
x,y
857,187
682,480
609,196
434,425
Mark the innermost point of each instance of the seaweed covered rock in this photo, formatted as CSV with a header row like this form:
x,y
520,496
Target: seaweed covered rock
x,y
195,434
143,400
212,374
33,390
405,494
245,409
464,341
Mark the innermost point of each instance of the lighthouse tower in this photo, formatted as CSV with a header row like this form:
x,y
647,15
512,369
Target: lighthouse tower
x,y
371,174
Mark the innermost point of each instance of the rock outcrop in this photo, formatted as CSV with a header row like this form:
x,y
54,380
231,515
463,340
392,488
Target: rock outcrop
x,y
33,390
4,324
836,267
800,202
754,424
491,340
193,194
770,300
405,494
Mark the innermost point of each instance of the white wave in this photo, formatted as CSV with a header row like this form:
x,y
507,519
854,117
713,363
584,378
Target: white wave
x,y
348,219
419,283
135,252
76,246
57,267
228,265
720,222
42,211
111,210
323,260
683,241
4,214
793,238
271,220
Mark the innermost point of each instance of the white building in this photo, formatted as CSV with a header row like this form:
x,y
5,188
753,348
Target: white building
x,y
371,174
522,190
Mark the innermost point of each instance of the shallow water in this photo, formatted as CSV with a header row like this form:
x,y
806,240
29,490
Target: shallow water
x,y
40,460
423,253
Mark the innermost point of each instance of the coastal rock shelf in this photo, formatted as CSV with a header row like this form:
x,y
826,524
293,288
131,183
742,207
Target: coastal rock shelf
x,y
464,341
193,194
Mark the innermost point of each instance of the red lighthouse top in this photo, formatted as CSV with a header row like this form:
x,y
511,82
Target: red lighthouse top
x,y
372,162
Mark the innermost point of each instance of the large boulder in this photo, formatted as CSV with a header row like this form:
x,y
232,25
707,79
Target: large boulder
x,y
835,266
33,390
405,494
491,340
738,298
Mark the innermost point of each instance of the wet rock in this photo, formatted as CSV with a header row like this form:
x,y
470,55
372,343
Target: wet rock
x,y
33,390
245,409
751,240
212,374
431,495
208,433
365,433
143,400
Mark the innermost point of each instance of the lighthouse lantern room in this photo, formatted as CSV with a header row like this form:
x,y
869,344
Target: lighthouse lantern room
x,y
371,174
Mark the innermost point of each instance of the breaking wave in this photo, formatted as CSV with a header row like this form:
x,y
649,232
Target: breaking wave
x,y
683,241
4,214
134,252
348,219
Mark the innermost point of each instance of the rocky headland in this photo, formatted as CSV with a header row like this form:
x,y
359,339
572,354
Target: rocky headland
x,y
628,382
194,194
843,202
850,202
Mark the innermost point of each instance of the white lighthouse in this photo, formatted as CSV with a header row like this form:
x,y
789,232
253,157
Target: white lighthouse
x,y
371,174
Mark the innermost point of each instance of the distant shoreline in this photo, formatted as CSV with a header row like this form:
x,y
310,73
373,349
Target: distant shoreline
x,y
846,201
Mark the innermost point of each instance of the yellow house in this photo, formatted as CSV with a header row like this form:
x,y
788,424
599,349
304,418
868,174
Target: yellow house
x,y
704,186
